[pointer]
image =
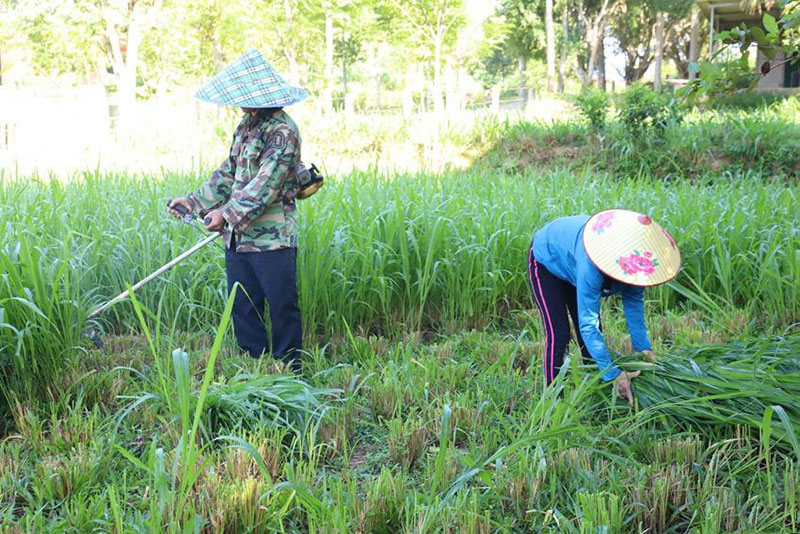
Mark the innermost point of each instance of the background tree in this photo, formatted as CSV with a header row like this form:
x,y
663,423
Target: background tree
x,y
490,63
62,37
525,33
633,30
593,16
10,37
435,23
678,42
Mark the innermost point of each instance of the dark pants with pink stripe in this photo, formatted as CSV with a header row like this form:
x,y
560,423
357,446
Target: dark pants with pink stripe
x,y
555,298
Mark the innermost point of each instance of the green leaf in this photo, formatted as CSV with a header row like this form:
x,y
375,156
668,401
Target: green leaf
x,y
759,35
770,24
791,436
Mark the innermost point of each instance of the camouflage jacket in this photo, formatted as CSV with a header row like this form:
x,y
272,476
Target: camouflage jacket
x,y
257,184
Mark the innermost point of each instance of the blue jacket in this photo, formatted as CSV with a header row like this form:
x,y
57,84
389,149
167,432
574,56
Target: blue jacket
x,y
559,247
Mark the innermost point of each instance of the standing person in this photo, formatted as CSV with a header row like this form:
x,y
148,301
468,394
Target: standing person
x,y
575,261
251,199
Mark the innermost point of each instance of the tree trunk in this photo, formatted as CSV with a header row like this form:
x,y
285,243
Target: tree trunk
x,y
378,91
593,39
294,69
601,61
408,95
551,46
523,93
451,103
288,51
437,74
562,68
659,51
344,75
693,42
423,97
328,94
124,67
216,52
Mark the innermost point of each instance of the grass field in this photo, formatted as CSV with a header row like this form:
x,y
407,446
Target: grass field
x,y
421,405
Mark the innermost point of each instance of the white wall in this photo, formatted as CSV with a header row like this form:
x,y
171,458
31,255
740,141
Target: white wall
x,y
773,80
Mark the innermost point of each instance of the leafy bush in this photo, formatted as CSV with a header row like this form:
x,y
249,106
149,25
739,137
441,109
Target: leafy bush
x,y
593,106
641,109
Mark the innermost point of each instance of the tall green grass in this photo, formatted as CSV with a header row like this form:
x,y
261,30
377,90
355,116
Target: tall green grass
x,y
380,254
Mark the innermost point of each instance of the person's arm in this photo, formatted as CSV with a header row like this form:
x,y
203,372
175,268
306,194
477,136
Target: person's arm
x,y
275,165
633,306
217,190
589,291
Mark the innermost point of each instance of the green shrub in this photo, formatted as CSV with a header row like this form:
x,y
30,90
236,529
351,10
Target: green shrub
x,y
593,106
641,109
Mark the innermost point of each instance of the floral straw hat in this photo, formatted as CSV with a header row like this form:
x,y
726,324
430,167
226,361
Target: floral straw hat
x,y
631,248
250,82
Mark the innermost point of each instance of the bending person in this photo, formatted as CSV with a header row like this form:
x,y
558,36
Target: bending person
x,y
576,261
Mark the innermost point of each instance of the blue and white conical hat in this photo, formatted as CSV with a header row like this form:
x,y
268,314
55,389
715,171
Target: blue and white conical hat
x,y
250,82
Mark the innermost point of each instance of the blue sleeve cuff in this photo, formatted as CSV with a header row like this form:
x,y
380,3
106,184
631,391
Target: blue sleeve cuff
x,y
611,373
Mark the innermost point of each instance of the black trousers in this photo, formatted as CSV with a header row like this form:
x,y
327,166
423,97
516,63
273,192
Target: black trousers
x,y
266,277
555,299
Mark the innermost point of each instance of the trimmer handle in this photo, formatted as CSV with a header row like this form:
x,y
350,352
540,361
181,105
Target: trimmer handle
x,y
178,207
184,212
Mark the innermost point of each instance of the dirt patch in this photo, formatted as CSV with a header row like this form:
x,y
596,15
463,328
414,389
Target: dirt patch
x,y
360,455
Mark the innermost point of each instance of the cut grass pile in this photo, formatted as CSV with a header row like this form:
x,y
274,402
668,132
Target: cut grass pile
x,y
742,383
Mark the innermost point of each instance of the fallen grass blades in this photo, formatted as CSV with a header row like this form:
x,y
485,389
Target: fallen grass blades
x,y
724,385
249,401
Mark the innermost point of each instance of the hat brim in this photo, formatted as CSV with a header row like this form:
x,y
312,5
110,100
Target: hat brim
x,y
291,95
250,82
631,248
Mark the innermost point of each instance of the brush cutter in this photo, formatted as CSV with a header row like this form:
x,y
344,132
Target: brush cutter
x,y
188,218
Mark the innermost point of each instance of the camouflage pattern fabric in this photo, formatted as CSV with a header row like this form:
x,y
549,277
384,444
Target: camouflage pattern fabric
x,y
256,186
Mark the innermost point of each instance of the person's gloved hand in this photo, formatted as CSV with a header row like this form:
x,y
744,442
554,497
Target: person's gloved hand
x,y
214,221
180,201
622,384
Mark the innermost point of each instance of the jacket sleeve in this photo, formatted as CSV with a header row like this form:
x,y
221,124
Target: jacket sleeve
x,y
217,190
633,306
275,164
589,291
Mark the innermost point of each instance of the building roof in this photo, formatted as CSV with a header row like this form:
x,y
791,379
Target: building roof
x,y
728,14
